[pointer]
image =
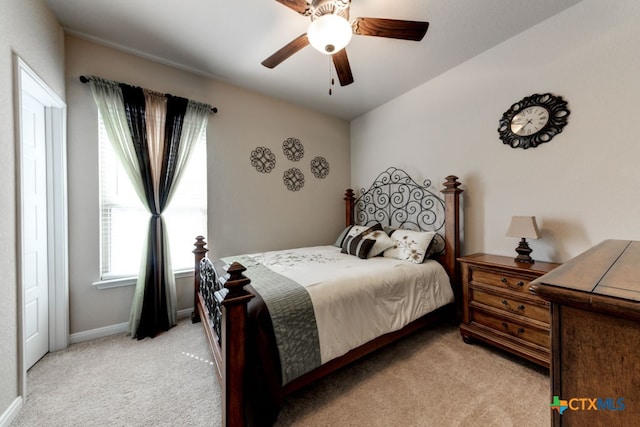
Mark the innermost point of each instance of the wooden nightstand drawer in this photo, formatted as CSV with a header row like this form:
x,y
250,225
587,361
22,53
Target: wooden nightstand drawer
x,y
499,309
539,312
500,280
515,328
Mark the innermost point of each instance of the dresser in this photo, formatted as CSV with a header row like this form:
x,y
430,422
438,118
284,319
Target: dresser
x,y
499,309
595,306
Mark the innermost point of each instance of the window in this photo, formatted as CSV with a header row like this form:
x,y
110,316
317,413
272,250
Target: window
x,y
124,221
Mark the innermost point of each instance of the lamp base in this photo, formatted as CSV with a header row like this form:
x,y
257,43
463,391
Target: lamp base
x,y
523,251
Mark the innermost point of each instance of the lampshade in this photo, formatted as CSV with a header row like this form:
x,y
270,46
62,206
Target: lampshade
x,y
523,226
329,33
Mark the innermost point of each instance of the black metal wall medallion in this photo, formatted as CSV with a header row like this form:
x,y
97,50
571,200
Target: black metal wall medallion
x,y
293,179
293,149
533,120
320,167
263,159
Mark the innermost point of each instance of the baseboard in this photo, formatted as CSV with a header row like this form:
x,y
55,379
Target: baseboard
x,y
185,313
93,334
11,413
119,328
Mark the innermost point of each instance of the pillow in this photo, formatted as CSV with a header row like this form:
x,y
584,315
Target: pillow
x,y
389,229
350,230
342,236
410,245
436,247
360,244
382,243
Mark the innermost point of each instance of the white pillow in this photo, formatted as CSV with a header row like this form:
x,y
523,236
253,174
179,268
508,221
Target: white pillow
x,y
383,242
410,245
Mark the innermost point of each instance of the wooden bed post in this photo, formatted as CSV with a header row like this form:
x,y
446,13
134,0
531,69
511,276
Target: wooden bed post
x,y
349,199
200,251
234,333
452,236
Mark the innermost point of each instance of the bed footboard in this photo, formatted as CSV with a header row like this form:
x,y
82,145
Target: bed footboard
x,y
221,304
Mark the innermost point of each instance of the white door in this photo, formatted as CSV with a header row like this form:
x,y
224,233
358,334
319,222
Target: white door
x,y
35,259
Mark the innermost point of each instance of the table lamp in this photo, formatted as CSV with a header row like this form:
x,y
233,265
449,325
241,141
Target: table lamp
x,y
524,227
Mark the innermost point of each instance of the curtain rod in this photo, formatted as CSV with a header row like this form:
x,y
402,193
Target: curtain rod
x,y
84,79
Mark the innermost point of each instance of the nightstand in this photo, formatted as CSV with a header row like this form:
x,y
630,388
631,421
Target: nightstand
x,y
499,309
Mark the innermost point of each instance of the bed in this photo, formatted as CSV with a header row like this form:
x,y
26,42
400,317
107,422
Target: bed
x,y
277,321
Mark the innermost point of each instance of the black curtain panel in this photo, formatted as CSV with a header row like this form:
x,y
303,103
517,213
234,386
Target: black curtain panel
x,y
176,110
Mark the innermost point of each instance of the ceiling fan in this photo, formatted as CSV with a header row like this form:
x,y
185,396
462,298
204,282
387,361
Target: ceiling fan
x,y
330,32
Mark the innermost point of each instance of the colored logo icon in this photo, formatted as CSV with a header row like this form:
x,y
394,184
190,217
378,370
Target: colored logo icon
x,y
559,405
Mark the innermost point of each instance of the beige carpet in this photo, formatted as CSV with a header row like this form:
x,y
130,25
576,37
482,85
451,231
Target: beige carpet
x,y
428,379
117,381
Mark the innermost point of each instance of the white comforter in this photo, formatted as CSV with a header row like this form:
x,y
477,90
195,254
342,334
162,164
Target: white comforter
x,y
358,300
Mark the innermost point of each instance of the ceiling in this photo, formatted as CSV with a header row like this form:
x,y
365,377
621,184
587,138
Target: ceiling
x,y
228,39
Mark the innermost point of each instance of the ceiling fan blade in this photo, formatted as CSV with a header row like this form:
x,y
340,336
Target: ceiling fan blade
x,y
341,62
300,6
288,50
390,28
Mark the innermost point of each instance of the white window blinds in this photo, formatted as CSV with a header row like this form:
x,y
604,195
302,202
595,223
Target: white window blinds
x,y
124,221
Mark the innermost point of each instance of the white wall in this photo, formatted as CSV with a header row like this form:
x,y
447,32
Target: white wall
x,y
29,30
581,186
248,211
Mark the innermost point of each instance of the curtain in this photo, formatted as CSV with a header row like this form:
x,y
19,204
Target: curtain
x,y
153,135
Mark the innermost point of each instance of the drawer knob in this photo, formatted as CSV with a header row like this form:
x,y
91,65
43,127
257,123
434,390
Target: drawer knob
x,y
520,284
503,280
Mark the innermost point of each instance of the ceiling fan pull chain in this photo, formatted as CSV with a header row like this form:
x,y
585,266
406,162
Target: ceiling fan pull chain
x,y
332,80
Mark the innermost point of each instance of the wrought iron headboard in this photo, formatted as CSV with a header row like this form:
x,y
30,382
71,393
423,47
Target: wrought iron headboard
x,y
396,200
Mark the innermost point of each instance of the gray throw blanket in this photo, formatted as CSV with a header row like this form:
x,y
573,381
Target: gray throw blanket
x,y
292,316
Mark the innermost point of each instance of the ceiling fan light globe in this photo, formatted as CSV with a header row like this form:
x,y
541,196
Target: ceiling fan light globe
x,y
329,34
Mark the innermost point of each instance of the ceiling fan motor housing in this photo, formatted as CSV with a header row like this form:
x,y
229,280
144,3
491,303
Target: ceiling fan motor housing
x,y
335,7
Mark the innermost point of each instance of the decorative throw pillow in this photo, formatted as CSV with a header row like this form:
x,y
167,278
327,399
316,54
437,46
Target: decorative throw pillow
x,y
350,230
360,244
382,243
342,236
410,245
436,247
389,229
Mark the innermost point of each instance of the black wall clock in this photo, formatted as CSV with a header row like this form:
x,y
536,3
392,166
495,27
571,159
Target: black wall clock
x,y
533,120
